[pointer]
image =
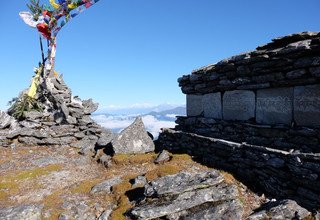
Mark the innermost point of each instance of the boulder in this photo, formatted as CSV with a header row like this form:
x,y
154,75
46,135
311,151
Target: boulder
x,y
201,195
133,139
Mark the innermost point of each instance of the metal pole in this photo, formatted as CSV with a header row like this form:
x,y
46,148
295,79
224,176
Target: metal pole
x,y
42,54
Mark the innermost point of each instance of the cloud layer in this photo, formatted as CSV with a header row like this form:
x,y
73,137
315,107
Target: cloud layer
x,y
118,123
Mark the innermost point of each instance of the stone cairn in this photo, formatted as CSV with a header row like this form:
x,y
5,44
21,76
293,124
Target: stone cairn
x,y
65,120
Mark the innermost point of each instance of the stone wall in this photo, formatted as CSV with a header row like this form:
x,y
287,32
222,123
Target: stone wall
x,y
278,173
278,83
257,115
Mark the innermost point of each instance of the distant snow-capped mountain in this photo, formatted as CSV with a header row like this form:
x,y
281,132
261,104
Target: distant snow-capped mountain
x,y
136,109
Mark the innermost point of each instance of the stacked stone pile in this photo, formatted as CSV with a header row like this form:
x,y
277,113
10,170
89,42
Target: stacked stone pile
x,y
288,61
65,120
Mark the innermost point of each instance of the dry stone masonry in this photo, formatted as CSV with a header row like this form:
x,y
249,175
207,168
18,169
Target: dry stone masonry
x,y
257,114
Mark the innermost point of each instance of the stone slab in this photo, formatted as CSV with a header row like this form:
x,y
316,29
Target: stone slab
x,y
238,105
307,105
274,106
194,105
212,105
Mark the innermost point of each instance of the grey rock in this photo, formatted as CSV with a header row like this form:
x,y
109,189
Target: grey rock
x,y
295,74
87,150
66,140
133,139
84,143
85,120
307,105
285,209
194,105
105,138
139,181
31,141
105,215
227,210
238,105
315,71
30,124
89,106
106,186
71,120
37,133
33,115
276,162
183,182
274,106
25,212
5,120
212,105
186,200
79,135
76,112
162,157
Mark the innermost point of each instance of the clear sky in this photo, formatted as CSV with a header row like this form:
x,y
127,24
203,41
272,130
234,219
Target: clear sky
x,y
123,52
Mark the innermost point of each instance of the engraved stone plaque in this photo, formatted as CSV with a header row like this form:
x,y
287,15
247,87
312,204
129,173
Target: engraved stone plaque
x,y
212,105
194,105
307,105
274,106
238,105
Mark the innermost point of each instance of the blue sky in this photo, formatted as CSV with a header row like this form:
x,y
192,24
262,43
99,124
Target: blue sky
x,y
123,52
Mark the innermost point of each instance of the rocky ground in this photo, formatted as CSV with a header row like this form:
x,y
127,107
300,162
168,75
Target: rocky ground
x,y
59,183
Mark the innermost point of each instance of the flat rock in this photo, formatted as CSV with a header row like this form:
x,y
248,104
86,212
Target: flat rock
x,y
162,157
285,209
25,212
133,139
106,185
185,201
183,182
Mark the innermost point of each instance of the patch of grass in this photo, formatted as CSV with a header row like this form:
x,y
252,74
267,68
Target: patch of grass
x,y
52,203
127,159
30,174
11,183
84,186
162,170
123,206
228,178
181,157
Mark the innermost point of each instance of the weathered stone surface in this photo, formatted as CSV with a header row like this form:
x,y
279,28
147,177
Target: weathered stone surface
x,y
105,138
212,105
238,105
227,210
106,185
194,105
33,115
285,209
307,105
89,106
162,157
185,201
183,182
133,139
25,212
139,181
274,106
5,120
